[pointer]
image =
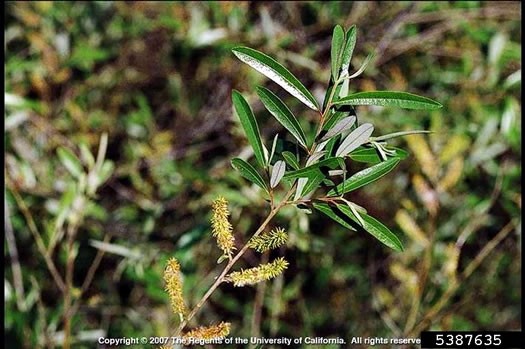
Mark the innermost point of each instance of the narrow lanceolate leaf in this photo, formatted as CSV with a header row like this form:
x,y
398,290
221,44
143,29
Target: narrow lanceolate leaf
x,y
375,228
362,67
314,180
247,171
329,211
269,67
277,173
357,137
389,99
70,162
371,155
250,126
399,134
351,38
330,146
320,147
338,39
281,112
365,176
274,144
86,155
290,159
309,170
341,126
301,182
332,118
314,157
355,212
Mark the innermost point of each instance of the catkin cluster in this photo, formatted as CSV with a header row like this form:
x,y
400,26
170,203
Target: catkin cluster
x,y
268,241
262,272
222,229
174,286
206,333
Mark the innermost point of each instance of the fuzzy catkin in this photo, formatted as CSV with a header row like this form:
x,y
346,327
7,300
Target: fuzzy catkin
x,y
262,272
222,229
268,241
206,333
174,286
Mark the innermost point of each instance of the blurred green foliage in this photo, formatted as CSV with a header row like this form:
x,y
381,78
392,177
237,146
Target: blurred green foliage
x,y
157,77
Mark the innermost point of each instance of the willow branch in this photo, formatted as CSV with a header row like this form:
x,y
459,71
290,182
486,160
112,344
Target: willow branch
x,y
230,264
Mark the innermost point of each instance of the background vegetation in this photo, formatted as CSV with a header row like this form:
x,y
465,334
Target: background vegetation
x,y
157,78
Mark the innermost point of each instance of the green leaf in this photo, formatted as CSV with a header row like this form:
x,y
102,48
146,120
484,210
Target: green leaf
x,y
338,39
336,116
362,67
341,126
249,125
330,146
281,112
328,182
106,170
222,258
351,38
290,159
277,173
399,134
315,156
389,98
70,162
329,211
248,171
365,176
375,228
309,170
328,93
371,156
64,207
274,144
86,155
269,67
314,180
300,186
357,137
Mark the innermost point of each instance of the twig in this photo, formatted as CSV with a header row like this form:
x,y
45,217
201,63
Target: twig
x,y
41,314
89,276
230,264
36,234
70,266
15,263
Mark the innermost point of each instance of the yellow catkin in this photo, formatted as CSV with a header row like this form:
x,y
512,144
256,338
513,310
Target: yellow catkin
x,y
268,241
174,286
262,272
206,333
222,229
